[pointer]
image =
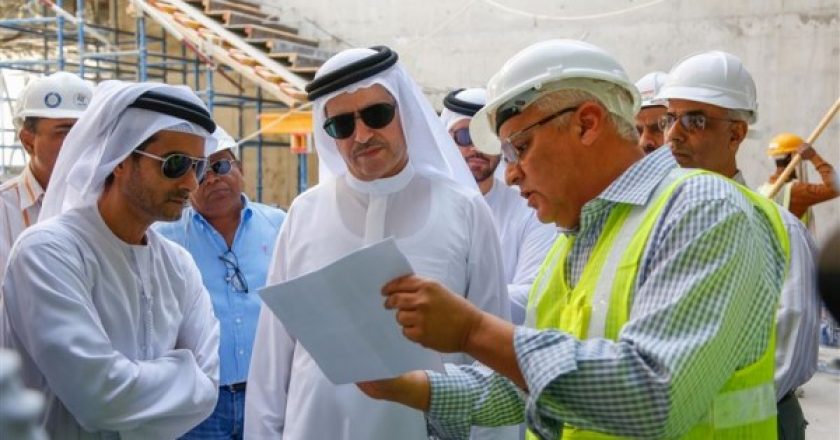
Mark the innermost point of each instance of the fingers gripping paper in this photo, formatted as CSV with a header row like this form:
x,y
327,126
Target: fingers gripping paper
x,y
336,313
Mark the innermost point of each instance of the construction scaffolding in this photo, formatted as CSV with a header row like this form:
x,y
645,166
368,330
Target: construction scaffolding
x,y
242,62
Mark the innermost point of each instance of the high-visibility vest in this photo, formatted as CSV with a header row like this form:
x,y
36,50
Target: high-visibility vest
x,y
599,306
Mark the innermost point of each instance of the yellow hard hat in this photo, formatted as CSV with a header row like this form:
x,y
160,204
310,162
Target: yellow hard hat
x,y
784,143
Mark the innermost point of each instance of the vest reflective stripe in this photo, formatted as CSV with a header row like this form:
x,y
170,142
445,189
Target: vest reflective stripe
x,y
744,407
739,407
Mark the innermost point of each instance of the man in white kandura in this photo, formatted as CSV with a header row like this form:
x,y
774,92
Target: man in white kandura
x,y
388,169
111,320
524,239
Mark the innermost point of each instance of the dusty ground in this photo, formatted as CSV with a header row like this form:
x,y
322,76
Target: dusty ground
x,y
821,402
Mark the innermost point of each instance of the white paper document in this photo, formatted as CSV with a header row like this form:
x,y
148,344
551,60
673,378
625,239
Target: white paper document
x,y
336,313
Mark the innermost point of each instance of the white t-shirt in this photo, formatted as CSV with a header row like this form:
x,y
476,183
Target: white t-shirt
x,y
120,339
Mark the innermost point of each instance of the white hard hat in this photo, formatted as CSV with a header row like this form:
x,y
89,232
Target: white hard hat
x,y
714,77
547,66
60,95
649,86
224,141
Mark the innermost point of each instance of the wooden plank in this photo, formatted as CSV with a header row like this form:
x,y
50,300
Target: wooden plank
x,y
186,21
248,29
280,46
279,31
305,71
259,43
268,74
238,6
229,18
242,57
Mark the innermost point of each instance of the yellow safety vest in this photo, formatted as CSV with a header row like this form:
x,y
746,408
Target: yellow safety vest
x,y
599,306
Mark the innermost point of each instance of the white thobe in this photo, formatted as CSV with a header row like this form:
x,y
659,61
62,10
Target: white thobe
x,y
20,204
120,339
447,234
524,239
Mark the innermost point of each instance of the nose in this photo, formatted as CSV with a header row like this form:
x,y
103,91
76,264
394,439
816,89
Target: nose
x,y
189,180
362,133
676,133
513,174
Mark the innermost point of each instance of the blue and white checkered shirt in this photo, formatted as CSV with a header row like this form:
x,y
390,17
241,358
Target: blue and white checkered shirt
x,y
703,306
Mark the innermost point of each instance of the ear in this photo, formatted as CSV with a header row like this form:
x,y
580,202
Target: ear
x,y
737,134
122,167
27,138
592,118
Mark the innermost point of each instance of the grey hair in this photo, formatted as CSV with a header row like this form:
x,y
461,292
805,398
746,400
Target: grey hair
x,y
739,115
557,100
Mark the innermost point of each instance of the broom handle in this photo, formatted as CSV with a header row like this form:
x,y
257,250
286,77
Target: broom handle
x,y
796,157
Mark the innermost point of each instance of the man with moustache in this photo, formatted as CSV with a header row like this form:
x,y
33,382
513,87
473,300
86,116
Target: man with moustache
x,y
111,320
711,102
45,112
652,315
231,239
647,120
389,169
524,239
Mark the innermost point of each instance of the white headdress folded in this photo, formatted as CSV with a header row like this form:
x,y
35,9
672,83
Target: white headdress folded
x,y
106,133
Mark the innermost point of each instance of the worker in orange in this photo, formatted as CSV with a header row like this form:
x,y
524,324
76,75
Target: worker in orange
x,y
796,195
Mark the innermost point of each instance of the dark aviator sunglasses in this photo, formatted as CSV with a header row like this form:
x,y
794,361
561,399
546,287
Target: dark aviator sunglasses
x,y
375,116
175,165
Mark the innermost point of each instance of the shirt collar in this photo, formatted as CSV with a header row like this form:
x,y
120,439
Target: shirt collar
x,y
31,192
636,185
739,177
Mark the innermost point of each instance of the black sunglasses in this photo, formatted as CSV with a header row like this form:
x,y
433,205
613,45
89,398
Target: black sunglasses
x,y
234,275
220,167
177,164
462,137
375,116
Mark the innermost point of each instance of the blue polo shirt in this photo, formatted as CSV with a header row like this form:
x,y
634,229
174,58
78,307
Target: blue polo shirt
x,y
253,246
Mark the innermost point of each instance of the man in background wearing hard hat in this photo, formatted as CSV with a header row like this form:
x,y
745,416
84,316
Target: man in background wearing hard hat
x,y
795,195
653,312
647,120
524,239
44,112
711,102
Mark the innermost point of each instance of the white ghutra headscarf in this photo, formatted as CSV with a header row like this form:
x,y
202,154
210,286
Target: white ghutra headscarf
x,y
430,149
106,133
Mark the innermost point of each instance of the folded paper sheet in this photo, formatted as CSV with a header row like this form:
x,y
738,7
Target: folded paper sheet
x,y
336,313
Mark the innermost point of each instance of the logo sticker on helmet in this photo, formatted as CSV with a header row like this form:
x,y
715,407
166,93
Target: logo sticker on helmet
x,y
52,100
81,100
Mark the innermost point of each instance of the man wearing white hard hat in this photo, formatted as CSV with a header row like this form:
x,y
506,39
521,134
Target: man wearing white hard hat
x,y
524,239
651,111
711,102
111,320
45,111
389,169
231,239
652,314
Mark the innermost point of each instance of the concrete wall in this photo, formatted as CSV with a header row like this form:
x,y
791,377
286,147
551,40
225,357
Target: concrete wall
x,y
792,49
